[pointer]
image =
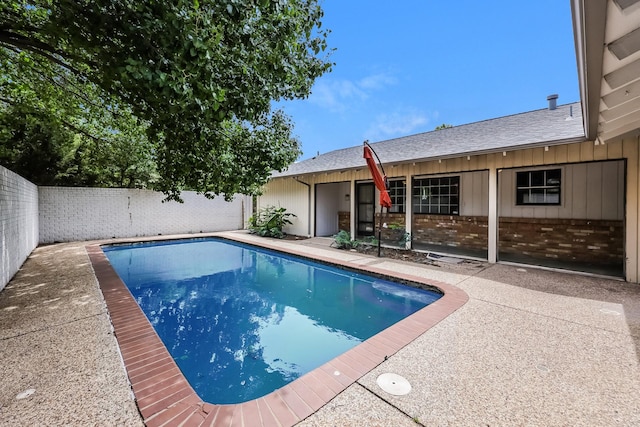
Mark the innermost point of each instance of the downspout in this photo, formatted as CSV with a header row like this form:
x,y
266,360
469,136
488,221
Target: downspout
x,y
308,204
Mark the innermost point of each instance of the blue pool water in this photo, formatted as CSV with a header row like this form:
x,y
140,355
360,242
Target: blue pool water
x,y
241,321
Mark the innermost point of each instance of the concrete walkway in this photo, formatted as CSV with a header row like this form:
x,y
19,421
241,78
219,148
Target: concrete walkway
x,y
531,347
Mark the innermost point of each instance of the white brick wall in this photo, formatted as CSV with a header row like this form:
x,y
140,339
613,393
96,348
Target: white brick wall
x,y
70,214
18,222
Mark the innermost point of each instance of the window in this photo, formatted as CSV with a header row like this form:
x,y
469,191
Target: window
x,y
539,187
397,192
437,195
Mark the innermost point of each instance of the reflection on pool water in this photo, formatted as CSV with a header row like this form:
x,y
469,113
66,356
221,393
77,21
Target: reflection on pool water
x,y
242,321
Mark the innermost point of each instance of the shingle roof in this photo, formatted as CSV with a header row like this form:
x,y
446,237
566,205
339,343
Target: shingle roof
x,y
524,130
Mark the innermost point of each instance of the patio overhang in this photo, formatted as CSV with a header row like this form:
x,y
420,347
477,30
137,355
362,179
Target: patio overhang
x,y
607,40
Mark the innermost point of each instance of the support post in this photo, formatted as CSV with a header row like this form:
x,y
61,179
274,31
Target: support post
x,y
380,231
492,253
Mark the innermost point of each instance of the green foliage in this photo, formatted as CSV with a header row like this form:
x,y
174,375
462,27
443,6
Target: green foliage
x,y
443,126
369,241
400,233
39,147
53,138
343,240
270,221
198,77
406,237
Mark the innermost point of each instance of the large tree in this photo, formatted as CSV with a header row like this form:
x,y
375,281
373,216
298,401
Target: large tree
x,y
200,75
56,130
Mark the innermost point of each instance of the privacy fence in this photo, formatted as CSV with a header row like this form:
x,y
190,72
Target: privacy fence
x,y
30,215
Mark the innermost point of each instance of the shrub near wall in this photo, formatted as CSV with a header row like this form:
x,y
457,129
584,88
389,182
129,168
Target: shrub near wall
x,y
76,214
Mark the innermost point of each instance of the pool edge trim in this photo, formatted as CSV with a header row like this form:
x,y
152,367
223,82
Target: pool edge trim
x,y
164,396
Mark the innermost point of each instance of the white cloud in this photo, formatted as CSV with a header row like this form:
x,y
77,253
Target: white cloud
x,y
377,81
397,124
339,95
334,95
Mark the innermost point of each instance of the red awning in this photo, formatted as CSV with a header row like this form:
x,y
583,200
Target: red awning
x,y
378,178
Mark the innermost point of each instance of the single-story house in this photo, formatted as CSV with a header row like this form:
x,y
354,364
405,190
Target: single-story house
x,y
556,187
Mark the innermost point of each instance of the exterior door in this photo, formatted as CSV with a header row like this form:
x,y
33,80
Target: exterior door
x,y
365,209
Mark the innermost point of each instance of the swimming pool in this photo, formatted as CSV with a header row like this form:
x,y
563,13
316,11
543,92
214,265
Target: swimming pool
x,y
241,321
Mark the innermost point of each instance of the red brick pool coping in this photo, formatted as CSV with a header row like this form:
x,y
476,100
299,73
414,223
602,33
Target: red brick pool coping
x,y
164,396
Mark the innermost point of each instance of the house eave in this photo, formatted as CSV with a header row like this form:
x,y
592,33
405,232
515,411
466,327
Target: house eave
x,y
589,36
507,149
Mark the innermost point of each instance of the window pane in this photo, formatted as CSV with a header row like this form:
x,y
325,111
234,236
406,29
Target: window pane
x,y
553,198
542,187
522,179
537,178
365,212
553,177
397,192
436,195
366,194
537,195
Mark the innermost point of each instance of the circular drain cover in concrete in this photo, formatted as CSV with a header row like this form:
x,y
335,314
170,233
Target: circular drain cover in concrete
x,y
394,384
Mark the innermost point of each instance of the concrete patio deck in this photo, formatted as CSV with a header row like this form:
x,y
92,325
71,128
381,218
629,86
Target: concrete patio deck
x,y
530,347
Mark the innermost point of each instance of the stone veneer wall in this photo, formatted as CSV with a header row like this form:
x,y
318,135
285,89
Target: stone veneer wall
x,y
344,221
469,232
572,240
394,232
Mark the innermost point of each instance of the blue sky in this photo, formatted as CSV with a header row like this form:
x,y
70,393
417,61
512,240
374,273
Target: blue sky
x,y
406,67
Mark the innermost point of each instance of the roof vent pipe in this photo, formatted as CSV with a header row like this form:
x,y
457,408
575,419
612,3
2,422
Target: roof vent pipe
x,y
552,101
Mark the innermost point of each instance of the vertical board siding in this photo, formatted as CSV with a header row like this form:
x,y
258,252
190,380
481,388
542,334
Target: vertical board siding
x,y
597,184
631,153
474,193
561,153
621,186
600,152
292,195
578,191
614,150
505,183
589,191
595,189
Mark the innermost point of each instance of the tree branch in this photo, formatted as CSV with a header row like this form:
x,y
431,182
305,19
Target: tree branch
x,y
82,131
70,87
40,48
